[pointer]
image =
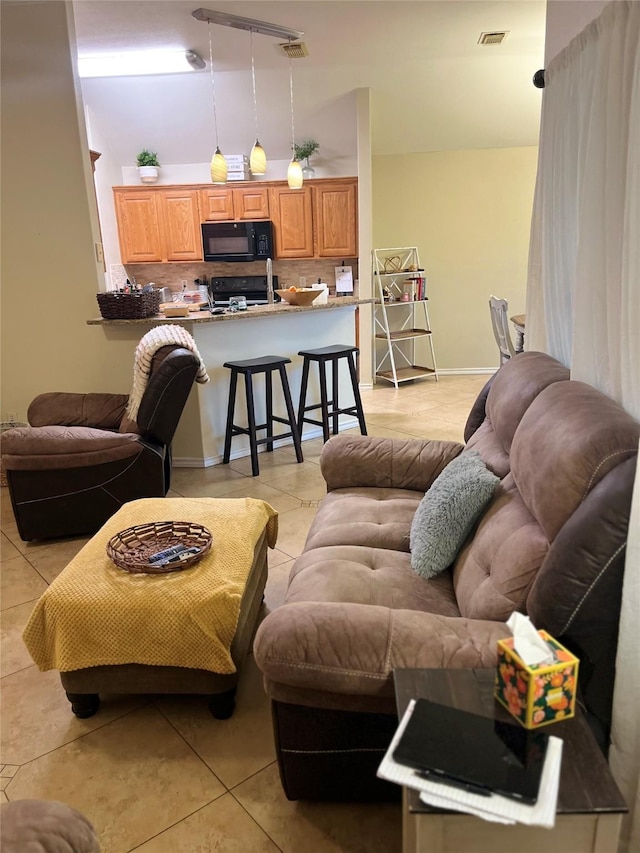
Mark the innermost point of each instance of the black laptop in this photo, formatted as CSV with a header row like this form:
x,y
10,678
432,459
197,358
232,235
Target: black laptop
x,y
479,754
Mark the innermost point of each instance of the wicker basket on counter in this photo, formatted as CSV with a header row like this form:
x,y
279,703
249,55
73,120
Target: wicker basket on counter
x,y
128,306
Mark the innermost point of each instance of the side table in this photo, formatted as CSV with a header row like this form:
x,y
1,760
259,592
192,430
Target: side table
x,y
590,806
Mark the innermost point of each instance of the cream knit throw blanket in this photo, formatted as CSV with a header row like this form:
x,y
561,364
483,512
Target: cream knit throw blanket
x,y
158,337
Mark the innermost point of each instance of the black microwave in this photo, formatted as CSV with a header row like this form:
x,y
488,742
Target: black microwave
x,y
237,241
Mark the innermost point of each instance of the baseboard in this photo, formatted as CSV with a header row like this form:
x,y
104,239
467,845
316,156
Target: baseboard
x,y
207,462
471,371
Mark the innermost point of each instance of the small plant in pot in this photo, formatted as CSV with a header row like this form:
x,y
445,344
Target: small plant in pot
x,y
303,151
148,166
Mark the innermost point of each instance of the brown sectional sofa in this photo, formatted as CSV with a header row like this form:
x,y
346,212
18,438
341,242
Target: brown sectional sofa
x,y
550,544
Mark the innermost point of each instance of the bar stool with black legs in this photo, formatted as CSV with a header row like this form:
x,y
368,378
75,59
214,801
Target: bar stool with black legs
x,y
329,408
266,364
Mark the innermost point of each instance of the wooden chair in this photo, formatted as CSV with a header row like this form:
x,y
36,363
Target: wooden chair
x,y
500,323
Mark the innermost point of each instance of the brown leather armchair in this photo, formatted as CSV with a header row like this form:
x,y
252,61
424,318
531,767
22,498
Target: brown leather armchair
x,y
81,457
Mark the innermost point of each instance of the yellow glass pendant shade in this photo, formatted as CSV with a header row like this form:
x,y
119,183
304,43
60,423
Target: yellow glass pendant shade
x,y
218,168
258,160
294,175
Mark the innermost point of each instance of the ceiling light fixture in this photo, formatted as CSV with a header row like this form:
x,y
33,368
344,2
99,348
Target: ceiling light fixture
x,y
240,23
134,63
218,163
195,60
294,172
258,157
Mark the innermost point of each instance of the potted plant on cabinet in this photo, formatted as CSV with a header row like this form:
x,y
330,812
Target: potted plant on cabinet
x,y
148,166
303,151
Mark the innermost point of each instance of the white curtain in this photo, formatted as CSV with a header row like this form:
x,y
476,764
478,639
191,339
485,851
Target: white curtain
x,y
583,296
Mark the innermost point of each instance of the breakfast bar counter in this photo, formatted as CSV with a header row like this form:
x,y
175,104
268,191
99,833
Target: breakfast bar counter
x,y
279,309
278,329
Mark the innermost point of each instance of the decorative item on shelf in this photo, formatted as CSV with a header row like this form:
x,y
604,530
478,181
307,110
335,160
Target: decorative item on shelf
x,y
159,547
391,264
258,157
303,151
148,166
218,163
294,172
238,168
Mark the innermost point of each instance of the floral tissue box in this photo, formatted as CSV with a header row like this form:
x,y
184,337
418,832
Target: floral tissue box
x,y
539,694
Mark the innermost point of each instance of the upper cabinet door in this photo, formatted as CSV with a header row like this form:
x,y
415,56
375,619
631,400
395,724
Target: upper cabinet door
x,y
216,205
291,214
251,203
138,217
335,219
182,241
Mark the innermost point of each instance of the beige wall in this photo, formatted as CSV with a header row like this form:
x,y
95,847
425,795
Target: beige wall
x,y
49,224
49,273
469,213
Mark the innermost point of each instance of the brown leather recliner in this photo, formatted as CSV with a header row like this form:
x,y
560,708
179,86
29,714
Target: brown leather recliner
x,y
81,458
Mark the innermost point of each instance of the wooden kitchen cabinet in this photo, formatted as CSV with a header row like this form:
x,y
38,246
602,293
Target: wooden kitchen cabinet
x,y
162,223
138,218
181,220
216,204
335,220
156,225
251,203
221,204
318,221
292,217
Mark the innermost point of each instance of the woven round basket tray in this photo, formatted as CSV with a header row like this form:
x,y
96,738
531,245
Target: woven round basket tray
x,y
131,548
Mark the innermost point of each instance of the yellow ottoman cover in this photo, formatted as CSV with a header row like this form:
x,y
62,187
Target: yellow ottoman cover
x,y
95,613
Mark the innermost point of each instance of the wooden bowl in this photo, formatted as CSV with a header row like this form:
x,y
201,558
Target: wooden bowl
x,y
299,297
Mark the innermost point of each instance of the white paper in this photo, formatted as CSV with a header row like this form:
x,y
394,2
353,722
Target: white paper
x,y
495,808
118,276
527,642
344,279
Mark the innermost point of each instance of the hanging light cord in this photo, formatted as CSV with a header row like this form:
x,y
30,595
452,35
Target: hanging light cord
x,y
253,78
213,85
293,135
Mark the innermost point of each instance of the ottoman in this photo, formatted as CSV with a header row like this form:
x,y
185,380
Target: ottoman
x,y
109,631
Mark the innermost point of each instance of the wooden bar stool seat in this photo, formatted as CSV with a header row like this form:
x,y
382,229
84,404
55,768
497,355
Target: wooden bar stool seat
x,y
329,408
266,364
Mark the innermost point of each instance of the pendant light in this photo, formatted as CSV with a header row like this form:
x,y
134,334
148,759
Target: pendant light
x,y
294,172
258,157
218,163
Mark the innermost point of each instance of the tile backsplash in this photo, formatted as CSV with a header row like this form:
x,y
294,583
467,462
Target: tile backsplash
x,y
289,272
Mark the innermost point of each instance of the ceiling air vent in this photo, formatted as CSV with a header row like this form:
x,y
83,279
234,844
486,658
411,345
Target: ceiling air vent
x,y
295,50
493,38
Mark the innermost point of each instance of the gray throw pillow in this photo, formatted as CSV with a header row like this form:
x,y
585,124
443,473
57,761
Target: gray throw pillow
x,y
447,512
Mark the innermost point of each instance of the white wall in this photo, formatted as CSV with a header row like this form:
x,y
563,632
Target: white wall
x,y
107,174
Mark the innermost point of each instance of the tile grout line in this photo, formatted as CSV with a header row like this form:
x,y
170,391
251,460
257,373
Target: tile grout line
x,y
79,737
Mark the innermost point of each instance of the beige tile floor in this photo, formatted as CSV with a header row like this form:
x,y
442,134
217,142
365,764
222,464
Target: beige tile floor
x,y
159,774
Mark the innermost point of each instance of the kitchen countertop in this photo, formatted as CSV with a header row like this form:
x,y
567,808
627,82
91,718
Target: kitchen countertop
x,y
280,309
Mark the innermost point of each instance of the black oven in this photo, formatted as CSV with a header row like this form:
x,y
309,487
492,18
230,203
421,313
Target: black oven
x,y
252,287
237,241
